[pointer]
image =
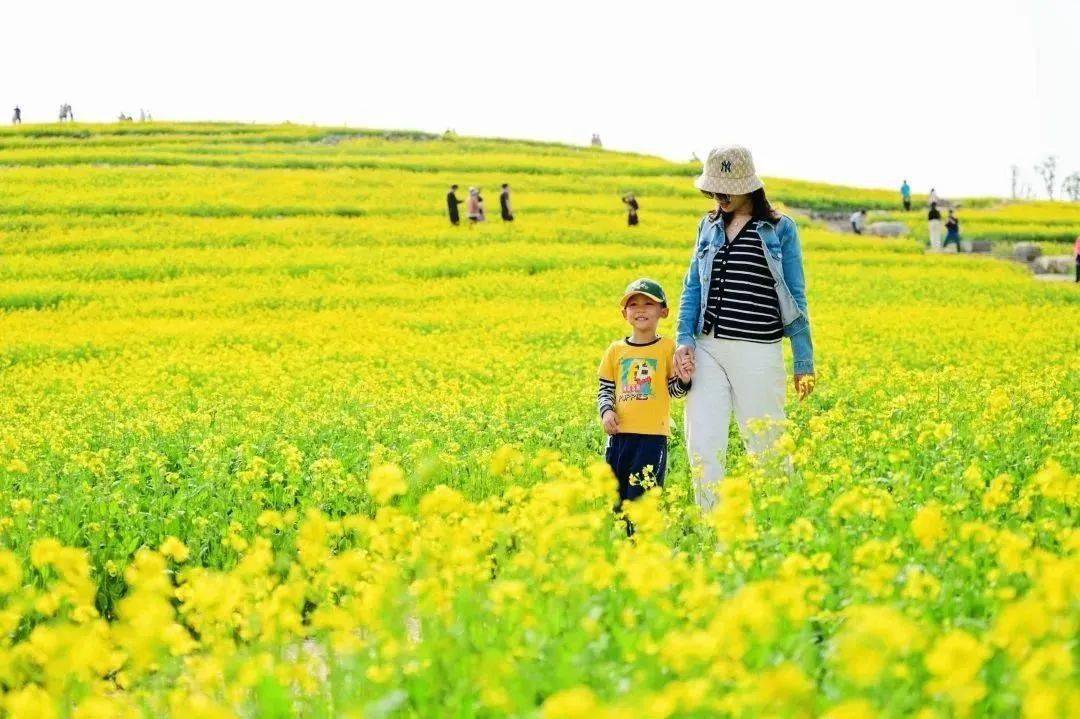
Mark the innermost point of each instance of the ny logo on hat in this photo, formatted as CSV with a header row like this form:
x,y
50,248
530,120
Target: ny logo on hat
x,y
725,166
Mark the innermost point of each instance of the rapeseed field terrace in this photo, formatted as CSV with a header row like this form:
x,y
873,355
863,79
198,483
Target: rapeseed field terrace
x,y
1054,225
277,440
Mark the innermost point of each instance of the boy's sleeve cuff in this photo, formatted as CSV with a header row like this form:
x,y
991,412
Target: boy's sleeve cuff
x,y
686,340
803,367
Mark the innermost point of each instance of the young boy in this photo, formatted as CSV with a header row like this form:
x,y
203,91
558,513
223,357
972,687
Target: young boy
x,y
637,382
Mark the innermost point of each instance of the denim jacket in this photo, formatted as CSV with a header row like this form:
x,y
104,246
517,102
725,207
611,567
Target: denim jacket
x,y
784,256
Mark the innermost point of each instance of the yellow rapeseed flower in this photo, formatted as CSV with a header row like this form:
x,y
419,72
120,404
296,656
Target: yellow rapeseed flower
x,y
929,526
386,482
174,549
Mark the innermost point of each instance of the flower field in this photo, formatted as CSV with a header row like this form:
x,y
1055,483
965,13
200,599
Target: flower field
x,y
276,440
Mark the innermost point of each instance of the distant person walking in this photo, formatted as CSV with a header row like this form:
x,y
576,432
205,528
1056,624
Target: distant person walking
x,y
17,118
934,218
632,204
475,206
452,203
905,195
952,231
858,221
1076,251
595,141
505,207
934,199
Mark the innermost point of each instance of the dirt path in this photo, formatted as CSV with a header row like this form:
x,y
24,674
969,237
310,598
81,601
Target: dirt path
x,y
836,221
841,222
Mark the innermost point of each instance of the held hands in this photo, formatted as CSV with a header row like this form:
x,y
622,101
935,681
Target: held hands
x,y
610,422
804,385
684,363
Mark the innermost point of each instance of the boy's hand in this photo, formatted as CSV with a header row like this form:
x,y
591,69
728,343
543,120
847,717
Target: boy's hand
x,y
610,422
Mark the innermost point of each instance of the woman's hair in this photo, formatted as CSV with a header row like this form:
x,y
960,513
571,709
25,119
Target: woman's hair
x,y
762,208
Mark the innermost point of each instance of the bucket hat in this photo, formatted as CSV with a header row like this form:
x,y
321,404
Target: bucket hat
x,y
729,170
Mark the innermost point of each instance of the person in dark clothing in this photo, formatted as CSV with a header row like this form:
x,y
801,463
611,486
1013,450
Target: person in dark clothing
x,y
504,204
952,231
17,119
452,203
934,220
1076,251
632,203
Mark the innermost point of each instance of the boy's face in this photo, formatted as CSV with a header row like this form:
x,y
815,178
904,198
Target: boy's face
x,y
644,313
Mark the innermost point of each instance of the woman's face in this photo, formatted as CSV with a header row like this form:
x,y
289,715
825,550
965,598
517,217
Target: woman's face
x,y
733,204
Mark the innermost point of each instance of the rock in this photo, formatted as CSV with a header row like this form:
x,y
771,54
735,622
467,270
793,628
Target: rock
x,y
887,229
1026,251
1053,265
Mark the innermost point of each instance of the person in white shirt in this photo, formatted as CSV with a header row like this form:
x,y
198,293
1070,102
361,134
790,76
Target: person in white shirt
x,y
858,221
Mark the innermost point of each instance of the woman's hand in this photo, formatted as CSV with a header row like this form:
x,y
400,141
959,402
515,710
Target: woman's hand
x,y
804,385
684,362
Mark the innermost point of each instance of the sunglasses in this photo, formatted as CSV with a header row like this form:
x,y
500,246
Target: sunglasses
x,y
718,196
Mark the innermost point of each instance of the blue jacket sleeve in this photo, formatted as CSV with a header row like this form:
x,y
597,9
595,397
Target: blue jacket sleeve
x,y
690,301
802,345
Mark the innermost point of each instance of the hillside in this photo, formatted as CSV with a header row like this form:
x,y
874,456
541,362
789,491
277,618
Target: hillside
x,y
278,440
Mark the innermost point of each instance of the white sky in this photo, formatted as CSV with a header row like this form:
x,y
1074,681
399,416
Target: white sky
x,y
947,93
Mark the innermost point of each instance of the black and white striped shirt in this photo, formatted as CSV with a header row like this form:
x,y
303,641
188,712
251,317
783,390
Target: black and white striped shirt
x,y
742,302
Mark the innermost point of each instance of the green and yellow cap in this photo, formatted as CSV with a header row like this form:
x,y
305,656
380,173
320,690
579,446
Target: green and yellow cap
x,y
647,287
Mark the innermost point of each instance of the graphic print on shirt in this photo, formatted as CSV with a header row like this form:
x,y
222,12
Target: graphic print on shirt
x,y
636,378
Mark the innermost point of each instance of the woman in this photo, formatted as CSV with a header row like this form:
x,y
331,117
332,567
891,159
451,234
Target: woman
x,y
632,203
744,291
474,207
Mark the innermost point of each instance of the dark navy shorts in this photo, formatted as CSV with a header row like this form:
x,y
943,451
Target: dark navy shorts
x,y
629,454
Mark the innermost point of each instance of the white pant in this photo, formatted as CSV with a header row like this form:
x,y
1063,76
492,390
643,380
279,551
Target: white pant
x,y
935,234
748,377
